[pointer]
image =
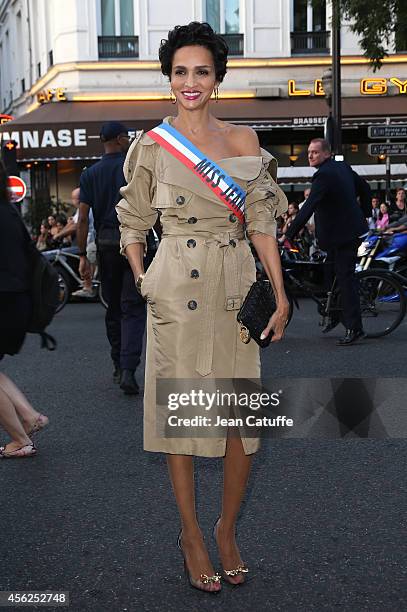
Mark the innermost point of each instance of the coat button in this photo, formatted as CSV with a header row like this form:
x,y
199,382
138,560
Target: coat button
x,y
194,274
192,305
232,243
232,218
191,244
180,200
192,220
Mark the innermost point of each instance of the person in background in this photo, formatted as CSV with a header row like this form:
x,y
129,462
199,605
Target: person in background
x,y
52,222
383,216
17,416
44,240
126,311
67,230
86,291
375,212
340,220
293,210
400,207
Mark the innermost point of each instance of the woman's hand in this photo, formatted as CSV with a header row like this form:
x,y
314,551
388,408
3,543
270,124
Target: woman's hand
x,y
277,322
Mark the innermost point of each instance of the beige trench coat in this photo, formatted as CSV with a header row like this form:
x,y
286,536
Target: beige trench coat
x,y
201,272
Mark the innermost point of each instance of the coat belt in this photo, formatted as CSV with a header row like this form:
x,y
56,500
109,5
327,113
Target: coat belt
x,y
219,248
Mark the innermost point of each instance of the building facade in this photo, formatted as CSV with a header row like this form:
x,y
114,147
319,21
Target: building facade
x,y
67,67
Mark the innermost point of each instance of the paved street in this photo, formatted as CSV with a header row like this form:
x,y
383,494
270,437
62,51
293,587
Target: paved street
x,y
94,515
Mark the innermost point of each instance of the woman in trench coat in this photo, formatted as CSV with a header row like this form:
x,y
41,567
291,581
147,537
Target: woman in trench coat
x,y
198,279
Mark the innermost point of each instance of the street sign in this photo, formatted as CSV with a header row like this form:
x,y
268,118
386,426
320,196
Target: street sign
x,y
387,131
387,148
17,188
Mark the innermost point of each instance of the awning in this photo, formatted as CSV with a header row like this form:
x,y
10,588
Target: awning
x,y
303,174
70,130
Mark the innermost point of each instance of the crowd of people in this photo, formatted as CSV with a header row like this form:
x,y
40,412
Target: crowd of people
x,y
384,213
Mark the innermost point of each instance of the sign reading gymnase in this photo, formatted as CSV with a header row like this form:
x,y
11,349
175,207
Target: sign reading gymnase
x,y
373,86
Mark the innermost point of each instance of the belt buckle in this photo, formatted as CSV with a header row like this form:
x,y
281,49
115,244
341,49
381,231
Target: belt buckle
x,y
233,302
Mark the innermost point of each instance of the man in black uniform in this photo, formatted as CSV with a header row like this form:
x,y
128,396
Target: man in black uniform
x,y
126,311
339,221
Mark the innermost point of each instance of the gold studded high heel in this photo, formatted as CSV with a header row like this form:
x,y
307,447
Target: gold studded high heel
x,y
203,578
239,570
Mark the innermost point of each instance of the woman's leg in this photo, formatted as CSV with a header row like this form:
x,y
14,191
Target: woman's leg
x,y
236,470
25,411
11,423
181,470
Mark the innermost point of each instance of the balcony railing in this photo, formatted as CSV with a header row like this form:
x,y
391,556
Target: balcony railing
x,y
117,46
315,43
235,43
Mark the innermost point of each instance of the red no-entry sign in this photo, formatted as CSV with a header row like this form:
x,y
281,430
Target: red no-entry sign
x,y
17,188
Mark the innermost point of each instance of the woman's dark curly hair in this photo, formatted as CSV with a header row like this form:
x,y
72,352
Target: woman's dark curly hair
x,y
4,195
195,33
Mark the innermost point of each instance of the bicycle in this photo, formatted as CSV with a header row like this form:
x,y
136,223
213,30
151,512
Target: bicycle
x,y
68,274
382,299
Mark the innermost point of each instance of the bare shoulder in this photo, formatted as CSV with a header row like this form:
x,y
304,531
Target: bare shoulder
x,y
245,139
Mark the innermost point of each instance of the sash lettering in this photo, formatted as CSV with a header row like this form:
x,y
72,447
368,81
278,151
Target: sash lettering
x,y
208,171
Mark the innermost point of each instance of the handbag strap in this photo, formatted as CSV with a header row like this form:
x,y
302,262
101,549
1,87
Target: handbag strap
x,y
208,171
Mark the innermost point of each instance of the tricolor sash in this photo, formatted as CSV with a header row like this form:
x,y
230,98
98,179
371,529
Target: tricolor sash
x,y
212,175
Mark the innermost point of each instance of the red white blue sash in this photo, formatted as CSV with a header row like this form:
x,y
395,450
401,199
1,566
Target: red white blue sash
x,y
216,179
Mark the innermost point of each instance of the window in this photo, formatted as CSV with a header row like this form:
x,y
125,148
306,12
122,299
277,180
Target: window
x,y
50,58
401,33
309,18
223,15
117,17
301,15
39,70
309,35
22,86
108,17
126,18
117,27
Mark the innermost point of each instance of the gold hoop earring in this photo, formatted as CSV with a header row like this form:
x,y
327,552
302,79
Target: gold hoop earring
x,y
216,92
173,99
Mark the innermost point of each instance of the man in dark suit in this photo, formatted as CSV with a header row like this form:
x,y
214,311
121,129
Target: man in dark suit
x,y
339,221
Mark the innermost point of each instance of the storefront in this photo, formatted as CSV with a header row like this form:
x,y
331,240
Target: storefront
x,y
58,139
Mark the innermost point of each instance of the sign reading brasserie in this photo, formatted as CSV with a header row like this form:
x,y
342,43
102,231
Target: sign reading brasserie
x,y
368,87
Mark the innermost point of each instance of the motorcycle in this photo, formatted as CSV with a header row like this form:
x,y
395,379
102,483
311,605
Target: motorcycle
x,y
383,251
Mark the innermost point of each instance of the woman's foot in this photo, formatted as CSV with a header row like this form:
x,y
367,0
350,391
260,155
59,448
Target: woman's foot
x,y
198,565
36,425
14,450
234,569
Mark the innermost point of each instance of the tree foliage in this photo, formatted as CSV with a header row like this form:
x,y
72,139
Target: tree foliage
x,y
380,24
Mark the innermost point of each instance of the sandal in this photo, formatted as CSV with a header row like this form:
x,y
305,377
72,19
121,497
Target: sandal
x,y
239,570
203,578
25,451
41,422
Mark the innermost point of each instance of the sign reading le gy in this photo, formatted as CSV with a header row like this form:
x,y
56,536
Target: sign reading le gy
x,y
368,87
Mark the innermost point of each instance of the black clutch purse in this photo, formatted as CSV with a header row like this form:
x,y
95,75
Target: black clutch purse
x,y
255,313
